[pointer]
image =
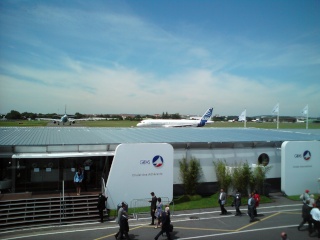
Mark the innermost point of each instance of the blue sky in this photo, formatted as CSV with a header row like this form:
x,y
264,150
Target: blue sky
x,y
160,56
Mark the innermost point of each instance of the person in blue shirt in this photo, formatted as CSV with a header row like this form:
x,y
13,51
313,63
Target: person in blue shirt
x,y
78,177
251,206
159,212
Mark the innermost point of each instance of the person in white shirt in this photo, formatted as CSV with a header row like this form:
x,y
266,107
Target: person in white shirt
x,y
222,201
315,214
311,201
305,196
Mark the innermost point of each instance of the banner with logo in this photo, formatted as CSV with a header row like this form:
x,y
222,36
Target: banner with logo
x,y
300,167
139,169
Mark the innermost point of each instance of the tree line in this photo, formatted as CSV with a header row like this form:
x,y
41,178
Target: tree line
x,y
15,115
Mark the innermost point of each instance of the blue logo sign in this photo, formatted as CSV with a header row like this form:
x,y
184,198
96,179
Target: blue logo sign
x,y
157,161
307,155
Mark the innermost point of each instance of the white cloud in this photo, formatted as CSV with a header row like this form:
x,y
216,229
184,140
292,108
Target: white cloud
x,y
116,61
125,90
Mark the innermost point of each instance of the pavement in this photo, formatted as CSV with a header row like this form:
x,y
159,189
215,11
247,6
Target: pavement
x,y
281,215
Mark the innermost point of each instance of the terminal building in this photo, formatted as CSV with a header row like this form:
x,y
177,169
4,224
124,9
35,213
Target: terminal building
x,y
40,159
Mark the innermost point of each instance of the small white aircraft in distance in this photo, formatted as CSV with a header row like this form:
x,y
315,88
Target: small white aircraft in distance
x,y
178,122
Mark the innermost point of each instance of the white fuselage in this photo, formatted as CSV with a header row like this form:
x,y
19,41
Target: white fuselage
x,y
168,123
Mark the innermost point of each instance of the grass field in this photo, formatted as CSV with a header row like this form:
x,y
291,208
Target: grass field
x,y
197,202
126,123
23,123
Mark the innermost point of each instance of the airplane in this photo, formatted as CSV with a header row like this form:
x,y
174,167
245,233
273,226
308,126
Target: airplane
x,y
178,122
64,119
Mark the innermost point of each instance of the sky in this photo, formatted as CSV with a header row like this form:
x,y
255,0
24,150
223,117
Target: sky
x,y
150,57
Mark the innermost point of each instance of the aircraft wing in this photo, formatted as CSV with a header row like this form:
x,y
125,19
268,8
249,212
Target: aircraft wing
x,y
49,119
87,119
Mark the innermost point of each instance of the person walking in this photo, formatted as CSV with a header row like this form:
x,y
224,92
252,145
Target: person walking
x,y
101,205
122,211
124,225
237,203
312,202
257,200
315,214
305,196
251,207
153,207
165,227
78,177
306,217
159,212
222,201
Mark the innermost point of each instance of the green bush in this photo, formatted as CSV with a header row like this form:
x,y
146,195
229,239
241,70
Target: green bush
x,y
259,175
223,176
190,174
241,176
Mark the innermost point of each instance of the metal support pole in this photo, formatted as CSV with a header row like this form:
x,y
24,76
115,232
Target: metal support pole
x,y
13,174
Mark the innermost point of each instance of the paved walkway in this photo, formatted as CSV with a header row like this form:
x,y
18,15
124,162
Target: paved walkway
x,y
281,215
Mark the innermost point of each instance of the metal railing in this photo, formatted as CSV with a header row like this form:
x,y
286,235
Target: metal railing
x,y
21,213
138,206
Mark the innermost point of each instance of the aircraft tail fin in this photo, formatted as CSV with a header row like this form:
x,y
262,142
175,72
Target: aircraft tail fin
x,y
205,117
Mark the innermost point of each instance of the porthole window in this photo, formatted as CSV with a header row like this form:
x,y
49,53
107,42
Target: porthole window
x,y
263,159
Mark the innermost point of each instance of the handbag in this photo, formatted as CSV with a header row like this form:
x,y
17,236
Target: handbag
x,y
170,228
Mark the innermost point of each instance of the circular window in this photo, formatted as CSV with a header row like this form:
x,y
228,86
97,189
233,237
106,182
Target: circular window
x,y
263,159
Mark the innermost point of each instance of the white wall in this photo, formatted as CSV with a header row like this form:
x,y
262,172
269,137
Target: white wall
x,y
297,172
134,176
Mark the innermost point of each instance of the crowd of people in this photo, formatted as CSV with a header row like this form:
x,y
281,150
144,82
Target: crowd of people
x,y
156,212
253,203
310,213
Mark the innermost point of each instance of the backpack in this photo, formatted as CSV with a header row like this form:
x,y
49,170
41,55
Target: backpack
x,y
252,202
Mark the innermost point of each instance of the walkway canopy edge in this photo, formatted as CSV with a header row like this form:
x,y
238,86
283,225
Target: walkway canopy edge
x,y
62,154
